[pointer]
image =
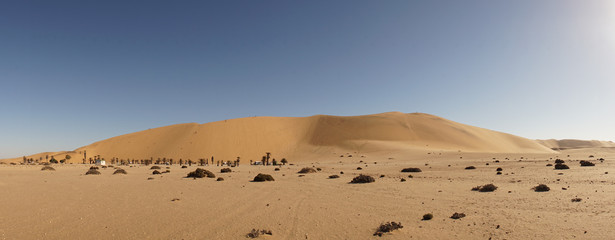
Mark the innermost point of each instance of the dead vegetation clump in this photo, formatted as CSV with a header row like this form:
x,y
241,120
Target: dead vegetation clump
x,y
541,188
499,169
47,168
427,217
92,172
201,173
561,166
363,179
470,167
154,167
359,168
225,170
220,179
485,188
387,227
120,171
411,170
263,178
334,176
558,161
156,172
256,233
457,215
184,166
587,163
576,200
307,170
94,168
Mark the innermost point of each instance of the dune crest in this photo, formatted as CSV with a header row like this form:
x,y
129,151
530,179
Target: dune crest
x,y
294,137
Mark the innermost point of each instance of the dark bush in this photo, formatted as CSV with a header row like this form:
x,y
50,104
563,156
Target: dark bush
x,y
410,176
499,169
387,227
184,166
411,170
485,188
319,169
154,167
256,233
458,215
427,216
561,166
201,173
359,168
549,165
470,167
120,171
92,172
334,176
307,170
576,200
558,161
363,179
47,168
220,179
94,168
341,172
225,170
498,173
541,188
403,179
156,172
276,169
587,163
263,177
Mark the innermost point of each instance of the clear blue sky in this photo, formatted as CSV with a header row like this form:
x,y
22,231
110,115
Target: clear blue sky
x,y
75,72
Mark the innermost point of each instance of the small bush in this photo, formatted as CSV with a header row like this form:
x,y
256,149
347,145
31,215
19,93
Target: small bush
x,y
47,168
558,161
576,200
410,176
120,171
427,217
156,172
587,163
263,177
307,170
94,168
319,169
276,169
225,170
359,168
549,165
363,179
458,215
387,227
470,167
403,179
92,172
184,166
485,188
541,188
561,166
498,173
154,167
220,179
201,173
334,176
341,172
411,170
499,169
256,233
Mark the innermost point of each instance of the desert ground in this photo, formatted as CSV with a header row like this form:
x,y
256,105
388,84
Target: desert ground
x,y
67,204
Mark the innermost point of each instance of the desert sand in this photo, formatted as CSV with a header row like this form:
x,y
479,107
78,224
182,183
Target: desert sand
x,y
67,204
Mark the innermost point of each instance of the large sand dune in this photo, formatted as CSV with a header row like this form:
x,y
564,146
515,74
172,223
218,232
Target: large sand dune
x,y
250,138
575,144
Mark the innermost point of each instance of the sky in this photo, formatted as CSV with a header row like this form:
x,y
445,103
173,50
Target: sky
x,y
76,72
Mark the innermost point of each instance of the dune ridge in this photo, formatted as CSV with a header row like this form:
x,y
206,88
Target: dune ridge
x,y
575,144
298,137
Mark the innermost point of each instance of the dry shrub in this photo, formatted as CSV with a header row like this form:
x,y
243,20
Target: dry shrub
x,y
561,166
427,217
499,169
94,168
92,172
541,188
470,167
156,172
225,170
154,167
256,233
47,168
485,188
411,170
334,176
457,215
387,227
120,171
307,170
184,166
587,163
201,173
220,179
363,179
558,161
263,178
576,200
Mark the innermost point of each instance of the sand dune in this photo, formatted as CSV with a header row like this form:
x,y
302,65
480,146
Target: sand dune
x,y
298,137
575,143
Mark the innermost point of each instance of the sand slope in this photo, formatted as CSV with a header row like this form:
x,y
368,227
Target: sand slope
x,y
250,138
575,143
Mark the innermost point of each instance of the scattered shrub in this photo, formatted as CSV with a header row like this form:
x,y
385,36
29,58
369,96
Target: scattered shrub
x,y
319,169
225,170
457,215
541,188
94,168
411,170
561,166
410,176
341,172
184,166
485,188
387,227
256,233
427,217
201,173
403,179
220,179
307,170
587,163
263,177
381,176
576,199
92,172
549,165
334,176
558,161
156,172
470,167
47,168
498,173
363,179
120,171
359,168
276,169
154,167
499,169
